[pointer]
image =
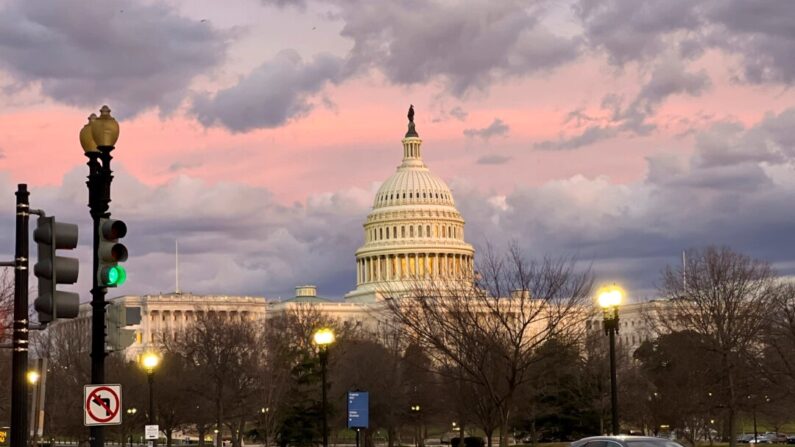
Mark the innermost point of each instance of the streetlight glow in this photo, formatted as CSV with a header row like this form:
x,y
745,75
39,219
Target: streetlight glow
x,y
324,337
33,376
149,361
610,296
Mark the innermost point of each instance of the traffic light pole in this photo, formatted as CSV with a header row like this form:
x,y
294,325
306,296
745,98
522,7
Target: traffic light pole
x,y
19,357
99,179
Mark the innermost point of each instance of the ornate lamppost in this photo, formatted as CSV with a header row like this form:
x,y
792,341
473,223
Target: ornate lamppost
x,y
149,362
98,138
418,438
323,338
609,300
130,414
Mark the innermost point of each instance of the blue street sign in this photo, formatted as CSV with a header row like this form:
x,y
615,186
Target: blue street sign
x,y
358,409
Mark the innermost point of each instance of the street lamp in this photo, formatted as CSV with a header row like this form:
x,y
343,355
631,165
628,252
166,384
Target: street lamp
x,y
131,412
323,338
98,138
149,361
418,438
609,299
32,376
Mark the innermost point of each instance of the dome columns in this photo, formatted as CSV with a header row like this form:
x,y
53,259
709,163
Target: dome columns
x,y
411,149
413,265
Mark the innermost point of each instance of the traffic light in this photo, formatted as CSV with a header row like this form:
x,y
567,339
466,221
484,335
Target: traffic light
x,y
52,270
111,253
120,321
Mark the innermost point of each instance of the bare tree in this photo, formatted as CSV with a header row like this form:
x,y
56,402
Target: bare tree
x,y
728,299
490,330
6,317
226,354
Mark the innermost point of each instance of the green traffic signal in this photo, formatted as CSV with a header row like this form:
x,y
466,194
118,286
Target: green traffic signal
x,y
117,275
110,253
114,276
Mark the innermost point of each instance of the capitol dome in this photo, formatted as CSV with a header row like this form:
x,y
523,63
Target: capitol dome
x,y
414,231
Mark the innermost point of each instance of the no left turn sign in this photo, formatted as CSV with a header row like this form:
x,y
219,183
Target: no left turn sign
x,y
102,405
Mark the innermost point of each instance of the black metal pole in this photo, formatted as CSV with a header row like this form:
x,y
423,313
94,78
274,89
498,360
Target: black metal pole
x,y
756,434
19,356
613,380
99,180
152,415
323,363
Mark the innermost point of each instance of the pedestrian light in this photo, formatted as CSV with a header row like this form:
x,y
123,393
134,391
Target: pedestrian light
x,y
33,376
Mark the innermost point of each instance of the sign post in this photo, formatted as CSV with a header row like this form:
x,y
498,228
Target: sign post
x,y
358,411
102,404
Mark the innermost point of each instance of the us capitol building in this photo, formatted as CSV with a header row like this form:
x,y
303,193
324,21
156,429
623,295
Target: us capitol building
x,y
414,231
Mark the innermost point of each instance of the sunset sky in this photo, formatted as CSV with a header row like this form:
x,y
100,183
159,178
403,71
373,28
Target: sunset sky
x,y
257,132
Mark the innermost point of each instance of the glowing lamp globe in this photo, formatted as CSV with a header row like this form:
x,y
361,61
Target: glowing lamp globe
x,y
324,337
150,360
610,297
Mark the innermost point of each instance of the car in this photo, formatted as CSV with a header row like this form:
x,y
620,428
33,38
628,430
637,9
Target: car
x,y
624,441
790,439
760,439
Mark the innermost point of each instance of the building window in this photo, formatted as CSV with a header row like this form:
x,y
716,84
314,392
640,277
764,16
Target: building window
x,y
380,233
411,231
428,230
419,231
394,232
403,232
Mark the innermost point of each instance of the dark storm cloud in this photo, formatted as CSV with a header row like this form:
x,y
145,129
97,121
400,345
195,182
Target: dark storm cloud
x,y
469,47
630,30
497,128
132,55
275,92
761,33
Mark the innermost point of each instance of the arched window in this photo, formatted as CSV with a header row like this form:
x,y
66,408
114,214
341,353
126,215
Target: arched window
x,y
387,232
380,233
419,231
394,232
403,232
428,230
411,231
